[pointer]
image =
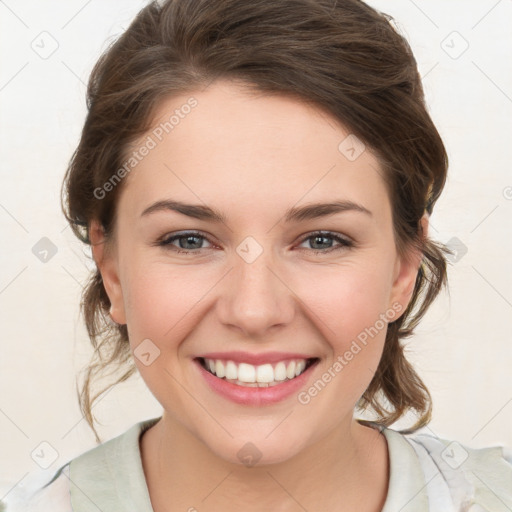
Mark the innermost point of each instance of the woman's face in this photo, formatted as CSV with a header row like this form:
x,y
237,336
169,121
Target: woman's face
x,y
258,281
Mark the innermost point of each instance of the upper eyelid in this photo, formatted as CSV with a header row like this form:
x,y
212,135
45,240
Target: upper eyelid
x,y
333,234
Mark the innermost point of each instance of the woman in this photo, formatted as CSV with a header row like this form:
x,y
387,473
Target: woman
x,y
256,180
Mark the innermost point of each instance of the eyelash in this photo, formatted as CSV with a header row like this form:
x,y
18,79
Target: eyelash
x,y
344,243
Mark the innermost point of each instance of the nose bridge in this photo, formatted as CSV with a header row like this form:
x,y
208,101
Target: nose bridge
x,y
255,298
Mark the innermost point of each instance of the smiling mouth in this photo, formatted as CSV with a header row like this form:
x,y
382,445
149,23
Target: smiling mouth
x,y
248,375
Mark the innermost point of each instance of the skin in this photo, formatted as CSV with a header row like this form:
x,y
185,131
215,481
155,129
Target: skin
x,y
252,157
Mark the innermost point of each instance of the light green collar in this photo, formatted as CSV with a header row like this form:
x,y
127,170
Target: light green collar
x,y
111,477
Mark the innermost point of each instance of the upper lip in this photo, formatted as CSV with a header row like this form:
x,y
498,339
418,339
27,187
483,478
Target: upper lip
x,y
255,359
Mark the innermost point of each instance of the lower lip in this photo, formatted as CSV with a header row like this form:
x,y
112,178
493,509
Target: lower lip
x,y
253,395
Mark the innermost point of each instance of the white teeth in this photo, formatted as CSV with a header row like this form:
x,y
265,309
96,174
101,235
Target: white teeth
x,y
246,372
256,376
264,373
231,370
290,370
219,369
280,371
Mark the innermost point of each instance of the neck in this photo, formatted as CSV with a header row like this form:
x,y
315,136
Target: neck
x,y
345,470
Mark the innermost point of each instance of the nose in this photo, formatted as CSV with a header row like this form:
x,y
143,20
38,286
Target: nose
x,y
255,298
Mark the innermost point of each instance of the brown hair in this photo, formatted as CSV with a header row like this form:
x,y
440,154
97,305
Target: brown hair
x,y
342,56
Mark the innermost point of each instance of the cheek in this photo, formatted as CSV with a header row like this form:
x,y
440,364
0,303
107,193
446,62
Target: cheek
x,y
164,305
161,298
352,312
347,301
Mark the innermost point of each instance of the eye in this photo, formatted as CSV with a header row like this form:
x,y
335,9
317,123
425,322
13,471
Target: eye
x,y
191,241
188,241
321,239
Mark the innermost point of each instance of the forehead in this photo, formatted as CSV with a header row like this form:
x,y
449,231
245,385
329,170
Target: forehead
x,y
228,145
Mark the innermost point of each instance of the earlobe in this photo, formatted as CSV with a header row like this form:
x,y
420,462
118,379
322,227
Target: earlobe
x,y
106,262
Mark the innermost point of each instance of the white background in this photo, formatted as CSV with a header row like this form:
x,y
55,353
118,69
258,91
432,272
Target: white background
x,y
463,349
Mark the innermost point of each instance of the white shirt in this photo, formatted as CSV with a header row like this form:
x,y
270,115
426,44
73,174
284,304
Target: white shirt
x,y
427,474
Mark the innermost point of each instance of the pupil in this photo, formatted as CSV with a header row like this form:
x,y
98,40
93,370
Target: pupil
x,y
324,239
188,239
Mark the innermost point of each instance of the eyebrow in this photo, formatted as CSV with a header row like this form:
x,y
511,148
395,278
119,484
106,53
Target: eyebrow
x,y
295,214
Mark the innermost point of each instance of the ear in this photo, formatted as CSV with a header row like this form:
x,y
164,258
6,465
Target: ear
x,y
406,270
106,261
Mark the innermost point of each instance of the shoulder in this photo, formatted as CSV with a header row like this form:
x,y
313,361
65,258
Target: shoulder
x,y
100,472
42,495
477,479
